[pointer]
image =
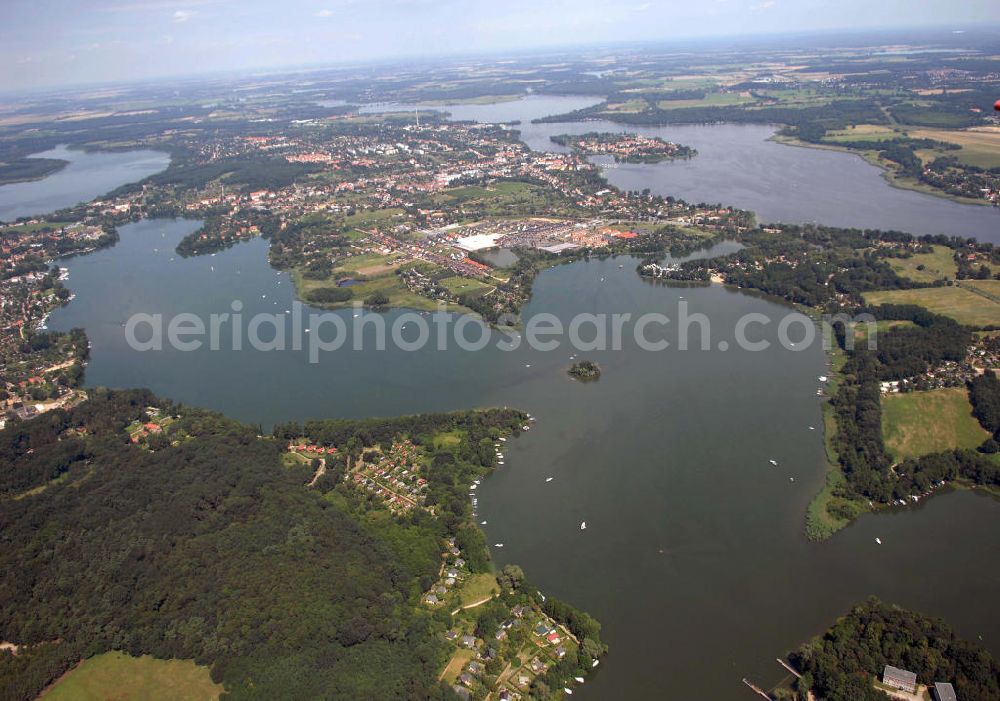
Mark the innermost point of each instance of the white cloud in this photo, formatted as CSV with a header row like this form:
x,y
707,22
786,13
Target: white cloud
x,y
183,15
325,13
643,7
766,5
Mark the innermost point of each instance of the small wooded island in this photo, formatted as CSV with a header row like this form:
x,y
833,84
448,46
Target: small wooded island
x,y
584,371
626,148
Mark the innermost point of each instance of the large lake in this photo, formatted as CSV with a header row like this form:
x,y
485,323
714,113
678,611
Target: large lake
x,y
85,176
694,557
738,164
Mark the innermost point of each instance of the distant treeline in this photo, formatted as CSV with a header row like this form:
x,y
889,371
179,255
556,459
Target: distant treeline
x,y
29,169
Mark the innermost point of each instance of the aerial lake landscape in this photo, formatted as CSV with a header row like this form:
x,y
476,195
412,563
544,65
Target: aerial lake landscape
x,y
86,175
739,165
694,559
391,350
704,574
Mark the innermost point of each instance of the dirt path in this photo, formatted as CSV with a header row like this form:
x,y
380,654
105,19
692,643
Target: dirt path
x,y
474,604
320,471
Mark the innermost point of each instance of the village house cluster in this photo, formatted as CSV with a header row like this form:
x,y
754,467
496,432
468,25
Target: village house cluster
x,y
524,646
394,476
626,148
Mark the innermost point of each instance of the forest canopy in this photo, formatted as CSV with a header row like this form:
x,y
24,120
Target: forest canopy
x,y
210,547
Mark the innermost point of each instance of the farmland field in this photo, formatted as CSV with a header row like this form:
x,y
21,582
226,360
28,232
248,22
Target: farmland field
x,y
962,305
919,423
980,147
936,266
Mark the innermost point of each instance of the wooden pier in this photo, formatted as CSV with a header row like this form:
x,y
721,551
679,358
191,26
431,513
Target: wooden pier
x,y
756,689
789,668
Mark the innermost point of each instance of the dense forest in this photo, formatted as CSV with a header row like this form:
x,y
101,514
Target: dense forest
x,y
29,169
210,547
842,664
984,393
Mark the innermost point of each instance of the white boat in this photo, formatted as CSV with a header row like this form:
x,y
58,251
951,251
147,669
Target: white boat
x,y
498,545
579,680
812,428
791,479
568,690
527,365
596,662
500,462
473,486
548,479
879,541
482,523
773,462
583,525
823,378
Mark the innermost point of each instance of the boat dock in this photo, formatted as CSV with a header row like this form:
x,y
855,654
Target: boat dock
x,y
789,668
756,689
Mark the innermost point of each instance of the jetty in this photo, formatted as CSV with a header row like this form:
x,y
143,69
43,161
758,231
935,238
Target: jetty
x,y
789,668
756,689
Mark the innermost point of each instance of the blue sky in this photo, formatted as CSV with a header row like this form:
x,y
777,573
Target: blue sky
x,y
58,42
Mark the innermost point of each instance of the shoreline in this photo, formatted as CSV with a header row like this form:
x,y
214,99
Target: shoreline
x,y
886,173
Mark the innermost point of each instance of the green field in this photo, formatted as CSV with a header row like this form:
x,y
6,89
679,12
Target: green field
x,y
117,676
719,99
369,217
465,286
35,226
936,266
919,423
507,198
862,132
962,305
448,439
456,664
477,587
980,147
989,289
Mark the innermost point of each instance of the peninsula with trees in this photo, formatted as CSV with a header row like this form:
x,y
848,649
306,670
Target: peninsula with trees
x,y
351,541
878,650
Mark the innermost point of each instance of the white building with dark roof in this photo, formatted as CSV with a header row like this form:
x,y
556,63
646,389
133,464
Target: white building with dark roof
x,y
899,679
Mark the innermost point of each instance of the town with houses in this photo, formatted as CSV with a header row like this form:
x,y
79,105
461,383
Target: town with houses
x,y
386,212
